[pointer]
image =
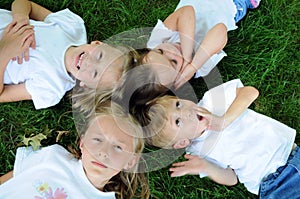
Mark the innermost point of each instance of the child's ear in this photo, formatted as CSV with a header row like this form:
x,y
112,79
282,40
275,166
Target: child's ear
x,y
96,42
180,144
132,162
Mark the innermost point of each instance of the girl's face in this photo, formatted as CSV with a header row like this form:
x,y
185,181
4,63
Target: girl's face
x,y
106,150
184,120
167,60
95,64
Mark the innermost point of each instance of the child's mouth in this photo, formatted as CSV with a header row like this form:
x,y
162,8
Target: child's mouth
x,y
99,164
79,60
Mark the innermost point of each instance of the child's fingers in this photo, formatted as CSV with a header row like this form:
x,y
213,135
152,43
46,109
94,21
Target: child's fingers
x,y
9,27
178,164
20,59
177,172
33,44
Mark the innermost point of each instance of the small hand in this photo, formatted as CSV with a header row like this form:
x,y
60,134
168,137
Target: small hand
x,y
20,21
16,40
193,166
186,73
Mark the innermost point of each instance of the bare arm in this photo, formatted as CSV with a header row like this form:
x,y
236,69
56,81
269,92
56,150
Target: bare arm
x,y
213,42
183,20
195,165
6,177
244,97
13,93
13,42
28,9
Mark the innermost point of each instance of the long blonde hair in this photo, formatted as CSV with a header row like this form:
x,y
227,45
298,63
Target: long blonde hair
x,y
126,183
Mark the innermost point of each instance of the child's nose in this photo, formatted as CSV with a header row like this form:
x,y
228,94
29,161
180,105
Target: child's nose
x,y
103,154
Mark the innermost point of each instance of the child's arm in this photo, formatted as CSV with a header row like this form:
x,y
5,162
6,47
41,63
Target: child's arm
x,y
23,10
244,97
6,177
14,93
183,21
213,42
13,42
195,165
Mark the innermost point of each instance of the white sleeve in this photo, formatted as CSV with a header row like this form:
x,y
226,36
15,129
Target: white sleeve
x,y
27,158
161,34
218,99
69,22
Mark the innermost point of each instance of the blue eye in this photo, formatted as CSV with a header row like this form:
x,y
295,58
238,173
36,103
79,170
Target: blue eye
x,y
178,122
178,104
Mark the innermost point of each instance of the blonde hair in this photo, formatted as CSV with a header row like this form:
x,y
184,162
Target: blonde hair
x,y
126,183
153,120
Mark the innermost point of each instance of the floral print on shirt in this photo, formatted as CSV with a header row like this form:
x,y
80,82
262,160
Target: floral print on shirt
x,y
46,192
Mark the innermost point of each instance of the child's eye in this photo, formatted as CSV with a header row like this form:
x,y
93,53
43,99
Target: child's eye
x,y
178,122
160,51
97,139
118,148
178,104
95,74
174,61
100,56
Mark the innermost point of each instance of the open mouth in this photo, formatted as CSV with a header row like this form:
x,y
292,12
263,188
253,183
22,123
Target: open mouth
x,y
79,60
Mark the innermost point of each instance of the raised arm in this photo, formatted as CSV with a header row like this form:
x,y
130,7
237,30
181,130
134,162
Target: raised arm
x,y
244,98
29,10
213,42
183,20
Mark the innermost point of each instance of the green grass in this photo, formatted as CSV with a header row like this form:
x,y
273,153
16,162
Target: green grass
x,y
262,52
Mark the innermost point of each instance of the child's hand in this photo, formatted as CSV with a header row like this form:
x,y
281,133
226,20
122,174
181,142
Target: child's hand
x,y
193,166
20,21
16,40
187,72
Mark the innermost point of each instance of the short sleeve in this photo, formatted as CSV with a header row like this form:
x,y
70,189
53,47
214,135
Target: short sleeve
x,y
69,22
161,34
27,158
43,94
218,99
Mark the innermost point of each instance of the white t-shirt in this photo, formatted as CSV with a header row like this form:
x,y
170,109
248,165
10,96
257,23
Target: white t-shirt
x,y
49,173
254,145
45,76
208,13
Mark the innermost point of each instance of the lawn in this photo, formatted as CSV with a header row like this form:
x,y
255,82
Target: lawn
x,y
262,52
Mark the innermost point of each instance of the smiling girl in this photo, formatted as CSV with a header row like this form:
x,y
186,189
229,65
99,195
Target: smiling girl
x,y
53,57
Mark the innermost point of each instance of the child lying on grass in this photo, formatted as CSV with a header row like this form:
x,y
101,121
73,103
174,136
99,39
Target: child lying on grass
x,y
105,166
229,144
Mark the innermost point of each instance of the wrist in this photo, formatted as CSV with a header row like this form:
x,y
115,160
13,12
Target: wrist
x,y
20,16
